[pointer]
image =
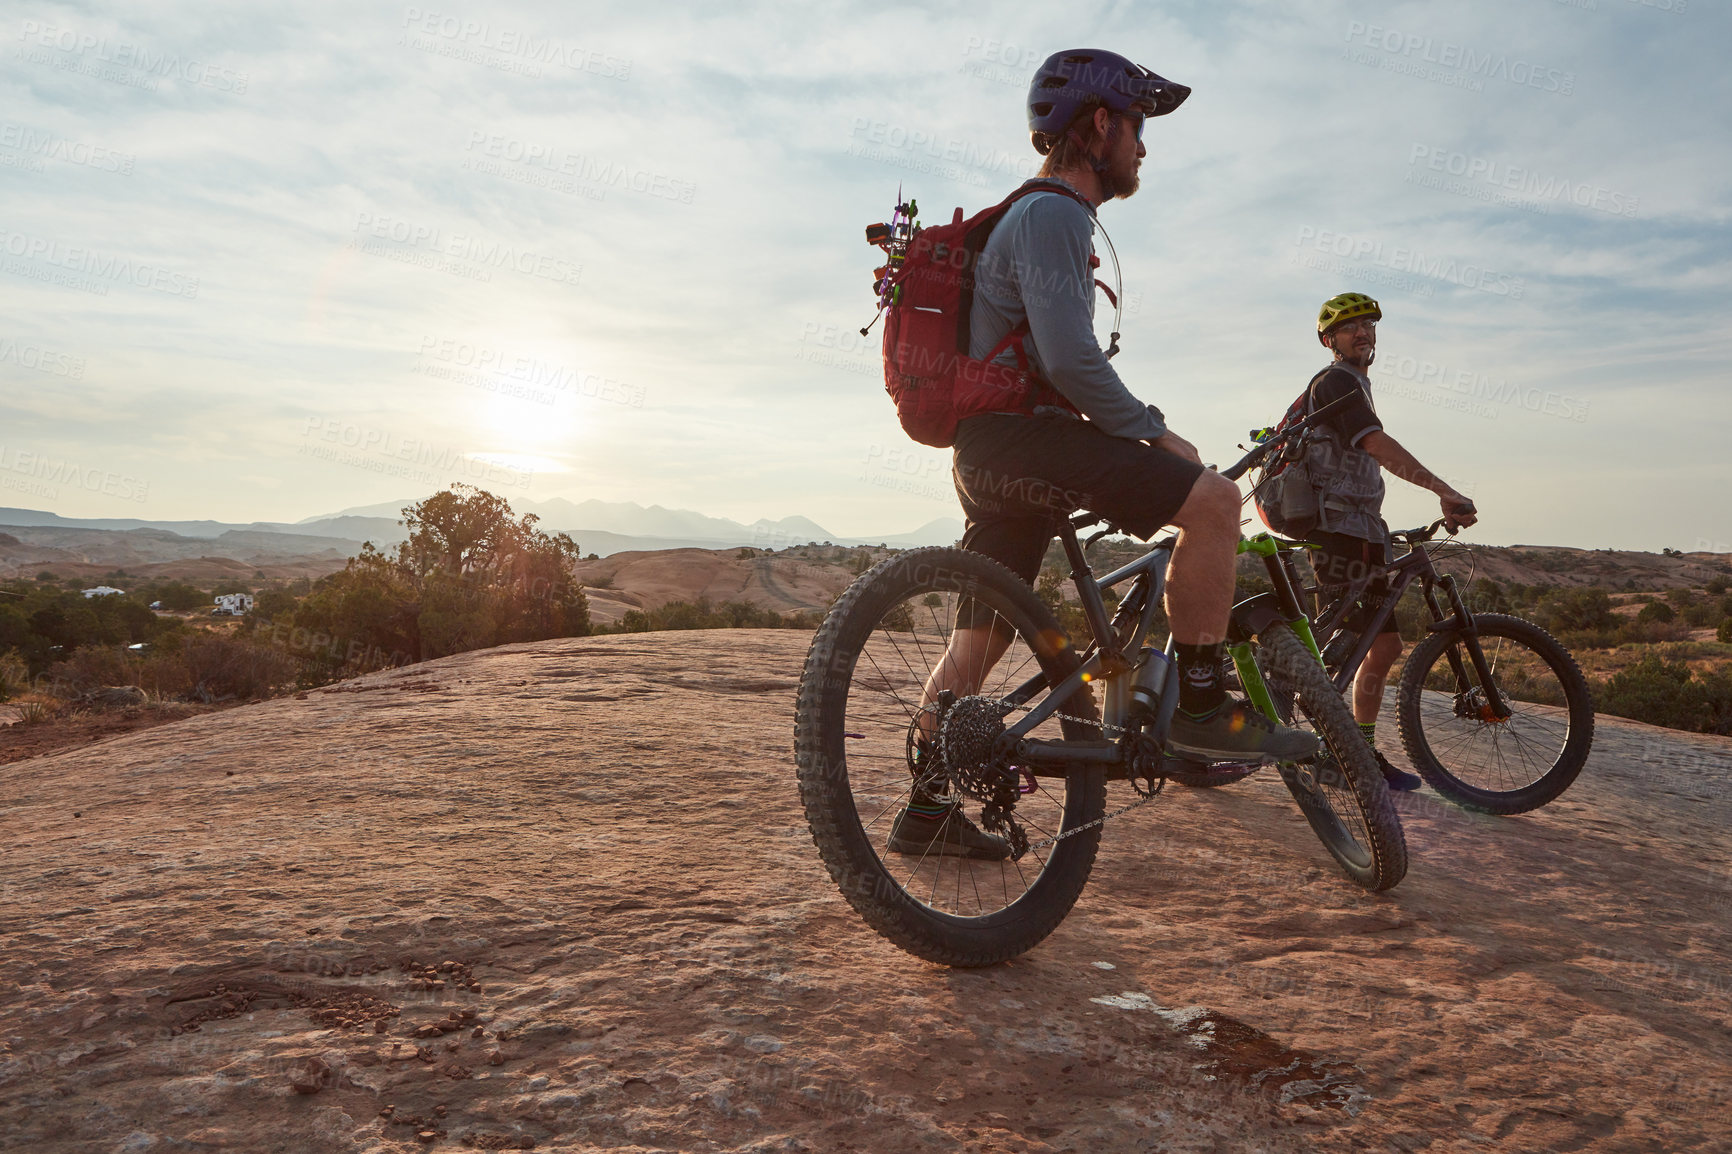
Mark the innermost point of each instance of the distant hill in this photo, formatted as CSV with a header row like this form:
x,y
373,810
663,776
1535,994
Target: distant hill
x,y
598,527
607,527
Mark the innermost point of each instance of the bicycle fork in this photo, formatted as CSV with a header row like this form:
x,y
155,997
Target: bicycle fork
x,y
1461,621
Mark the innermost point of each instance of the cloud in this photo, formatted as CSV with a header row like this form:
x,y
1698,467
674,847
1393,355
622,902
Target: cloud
x,y
671,200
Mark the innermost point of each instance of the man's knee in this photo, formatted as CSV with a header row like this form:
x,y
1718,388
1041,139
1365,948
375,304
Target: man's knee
x,y
1213,503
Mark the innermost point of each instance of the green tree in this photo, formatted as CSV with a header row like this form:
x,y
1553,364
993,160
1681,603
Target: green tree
x,y
470,575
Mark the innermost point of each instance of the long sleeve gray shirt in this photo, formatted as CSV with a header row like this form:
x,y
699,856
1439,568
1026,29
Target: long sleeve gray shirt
x,y
1035,266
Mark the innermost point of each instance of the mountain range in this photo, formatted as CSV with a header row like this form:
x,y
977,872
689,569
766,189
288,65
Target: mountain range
x,y
599,527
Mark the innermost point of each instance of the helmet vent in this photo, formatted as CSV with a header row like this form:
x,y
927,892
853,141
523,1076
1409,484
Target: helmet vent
x,y
1054,82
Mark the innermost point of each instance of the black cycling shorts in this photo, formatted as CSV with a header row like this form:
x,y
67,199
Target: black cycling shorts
x,y
1343,560
1018,477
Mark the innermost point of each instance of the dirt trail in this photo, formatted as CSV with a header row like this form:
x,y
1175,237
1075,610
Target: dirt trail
x,y
561,895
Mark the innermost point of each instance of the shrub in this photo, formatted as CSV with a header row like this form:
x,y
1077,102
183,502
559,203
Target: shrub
x,y
92,667
200,666
1658,612
178,595
231,667
1663,692
702,614
1724,633
1566,610
271,605
14,676
34,708
1487,596
1701,613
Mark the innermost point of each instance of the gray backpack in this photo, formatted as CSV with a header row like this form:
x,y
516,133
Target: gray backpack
x,y
1283,490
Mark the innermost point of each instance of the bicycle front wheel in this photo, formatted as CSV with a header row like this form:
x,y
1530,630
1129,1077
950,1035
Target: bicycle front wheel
x,y
870,723
1459,745
1341,791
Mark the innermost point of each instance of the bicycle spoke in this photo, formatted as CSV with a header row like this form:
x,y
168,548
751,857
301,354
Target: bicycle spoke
x,y
895,672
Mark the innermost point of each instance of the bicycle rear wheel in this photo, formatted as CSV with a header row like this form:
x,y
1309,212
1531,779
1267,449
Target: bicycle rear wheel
x,y
1466,753
917,622
1341,792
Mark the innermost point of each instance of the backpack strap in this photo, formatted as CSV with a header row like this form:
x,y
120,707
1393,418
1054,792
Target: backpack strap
x,y
1035,186
1321,373
1012,341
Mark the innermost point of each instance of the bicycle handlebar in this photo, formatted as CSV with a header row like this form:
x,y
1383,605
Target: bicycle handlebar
x,y
1250,460
1424,533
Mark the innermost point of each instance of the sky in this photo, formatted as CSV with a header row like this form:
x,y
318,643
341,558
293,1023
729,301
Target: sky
x,y
265,262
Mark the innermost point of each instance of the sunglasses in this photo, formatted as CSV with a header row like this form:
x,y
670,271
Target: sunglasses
x,y
1138,120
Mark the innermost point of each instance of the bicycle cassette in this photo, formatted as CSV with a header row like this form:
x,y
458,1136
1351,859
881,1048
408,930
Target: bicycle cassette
x,y
969,730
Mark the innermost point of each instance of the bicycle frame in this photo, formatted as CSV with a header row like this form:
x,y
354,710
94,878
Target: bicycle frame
x,y
1105,656
1404,571
1114,645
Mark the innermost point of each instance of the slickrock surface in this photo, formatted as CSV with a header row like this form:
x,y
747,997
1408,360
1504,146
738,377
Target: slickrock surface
x,y
561,897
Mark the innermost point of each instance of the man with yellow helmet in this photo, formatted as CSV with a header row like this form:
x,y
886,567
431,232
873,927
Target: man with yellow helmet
x,y
1348,478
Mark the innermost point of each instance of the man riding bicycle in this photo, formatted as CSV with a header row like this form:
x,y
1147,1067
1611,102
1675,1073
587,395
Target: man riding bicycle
x,y
1348,479
1018,474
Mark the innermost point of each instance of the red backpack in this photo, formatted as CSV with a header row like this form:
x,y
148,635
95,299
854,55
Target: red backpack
x,y
928,297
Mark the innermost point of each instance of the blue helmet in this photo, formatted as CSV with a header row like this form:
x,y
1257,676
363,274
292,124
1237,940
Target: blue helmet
x,y
1065,84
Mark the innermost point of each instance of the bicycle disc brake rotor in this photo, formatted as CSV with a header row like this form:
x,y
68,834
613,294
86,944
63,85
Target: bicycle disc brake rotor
x,y
967,733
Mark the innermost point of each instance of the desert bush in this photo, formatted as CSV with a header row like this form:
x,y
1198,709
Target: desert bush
x,y
14,675
271,605
1662,692
35,708
197,666
1724,633
702,614
177,595
233,667
92,667
1656,611
1487,596
1574,610
1701,614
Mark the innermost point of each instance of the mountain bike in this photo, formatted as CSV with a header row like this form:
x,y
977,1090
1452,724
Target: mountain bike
x,y
1494,712
942,668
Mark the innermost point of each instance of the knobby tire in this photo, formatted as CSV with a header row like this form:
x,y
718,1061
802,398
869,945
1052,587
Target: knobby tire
x,y
1517,765
856,858
1350,810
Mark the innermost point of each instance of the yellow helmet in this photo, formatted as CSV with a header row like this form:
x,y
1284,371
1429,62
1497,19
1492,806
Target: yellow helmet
x,y
1346,307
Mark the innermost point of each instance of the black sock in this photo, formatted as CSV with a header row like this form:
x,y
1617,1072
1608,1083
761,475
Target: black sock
x,y
1200,690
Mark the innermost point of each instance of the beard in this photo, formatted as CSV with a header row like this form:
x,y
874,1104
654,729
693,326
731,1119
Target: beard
x,y
1120,180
